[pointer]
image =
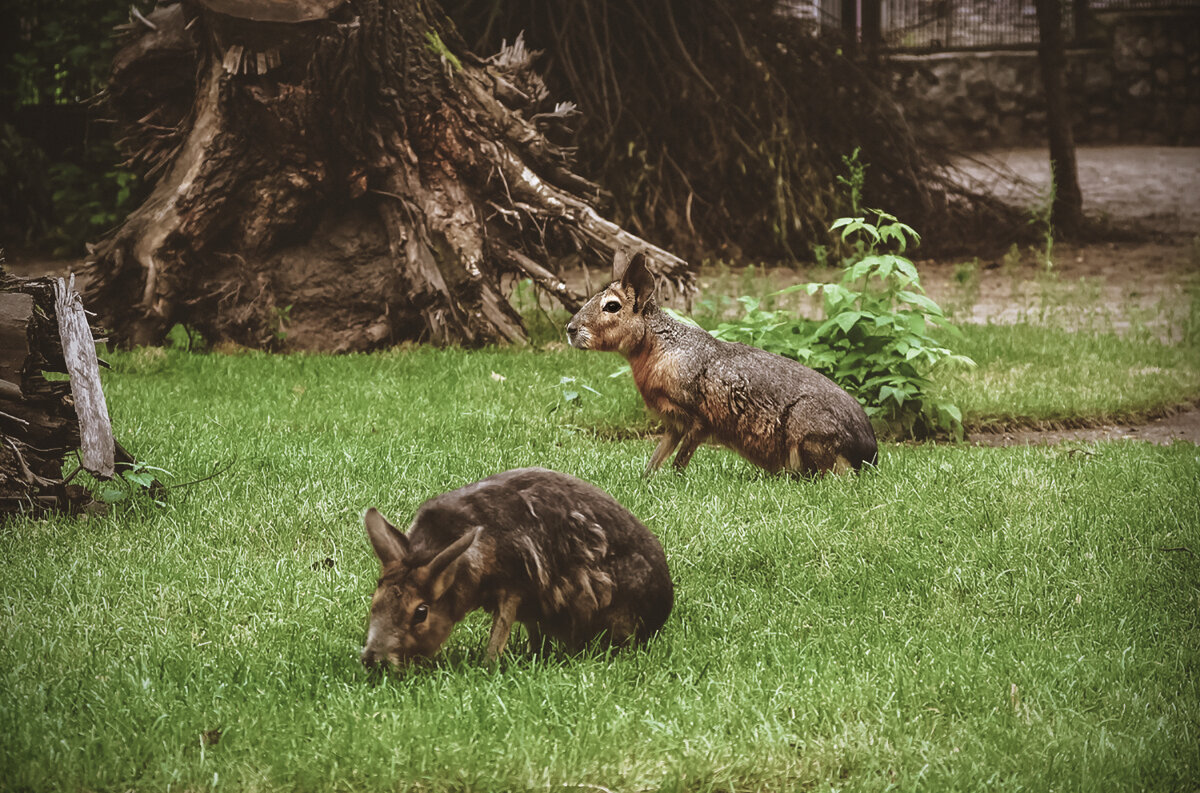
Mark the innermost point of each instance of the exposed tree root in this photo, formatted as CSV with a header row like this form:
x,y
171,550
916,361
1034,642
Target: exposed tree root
x,y
343,183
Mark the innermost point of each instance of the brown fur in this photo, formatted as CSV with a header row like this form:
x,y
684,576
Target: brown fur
x,y
528,545
775,412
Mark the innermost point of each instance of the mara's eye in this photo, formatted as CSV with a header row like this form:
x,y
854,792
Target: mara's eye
x,y
612,307
420,614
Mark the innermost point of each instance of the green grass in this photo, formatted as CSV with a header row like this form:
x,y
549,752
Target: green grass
x,y
1069,359
1027,375
962,618
1030,374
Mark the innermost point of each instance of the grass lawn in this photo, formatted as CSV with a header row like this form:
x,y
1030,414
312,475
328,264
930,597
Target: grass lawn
x,y
1029,374
961,618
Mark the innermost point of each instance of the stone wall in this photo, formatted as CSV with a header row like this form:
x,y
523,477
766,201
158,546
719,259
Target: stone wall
x,y
1141,84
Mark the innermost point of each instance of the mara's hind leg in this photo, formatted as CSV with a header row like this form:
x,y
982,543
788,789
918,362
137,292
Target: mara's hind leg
x,y
622,629
539,643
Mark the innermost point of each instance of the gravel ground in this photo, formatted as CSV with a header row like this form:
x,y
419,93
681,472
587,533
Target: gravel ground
x,y
1156,187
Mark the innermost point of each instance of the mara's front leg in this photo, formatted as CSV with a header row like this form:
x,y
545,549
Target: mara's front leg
x,y
690,441
666,445
502,622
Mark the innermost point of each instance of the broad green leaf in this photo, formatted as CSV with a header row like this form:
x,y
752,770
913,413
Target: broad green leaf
x,y
140,478
847,319
684,318
906,267
111,494
919,300
787,290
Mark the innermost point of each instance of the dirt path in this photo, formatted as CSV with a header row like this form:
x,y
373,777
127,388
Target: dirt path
x,y
1153,186
1181,426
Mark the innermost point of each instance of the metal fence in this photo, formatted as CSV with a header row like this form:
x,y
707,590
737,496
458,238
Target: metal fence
x,y
825,14
967,24
941,25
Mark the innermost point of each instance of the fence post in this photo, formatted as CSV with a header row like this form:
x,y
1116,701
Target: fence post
x,y
850,23
872,25
1079,17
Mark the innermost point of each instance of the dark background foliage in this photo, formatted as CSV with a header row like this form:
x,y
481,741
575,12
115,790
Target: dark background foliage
x,y
59,169
717,126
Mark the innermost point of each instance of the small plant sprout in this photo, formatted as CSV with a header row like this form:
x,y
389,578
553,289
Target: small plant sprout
x,y
136,479
1041,216
569,387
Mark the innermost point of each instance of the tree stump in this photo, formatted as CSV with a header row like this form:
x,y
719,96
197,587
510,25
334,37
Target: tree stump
x,y
341,175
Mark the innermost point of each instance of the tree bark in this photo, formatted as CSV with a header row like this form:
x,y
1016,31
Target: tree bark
x,y
346,176
1067,208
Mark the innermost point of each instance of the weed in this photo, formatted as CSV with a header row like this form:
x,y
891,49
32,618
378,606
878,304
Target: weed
x,y
282,318
875,341
1041,216
136,479
855,178
569,389
967,280
434,43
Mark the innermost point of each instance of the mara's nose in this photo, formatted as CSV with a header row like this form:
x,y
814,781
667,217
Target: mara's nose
x,y
368,658
572,329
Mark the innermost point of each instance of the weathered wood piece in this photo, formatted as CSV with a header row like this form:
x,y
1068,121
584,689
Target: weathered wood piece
x,y
274,10
79,351
14,342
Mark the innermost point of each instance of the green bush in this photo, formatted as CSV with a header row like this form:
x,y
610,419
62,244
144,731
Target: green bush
x,y
57,54
24,199
90,197
875,340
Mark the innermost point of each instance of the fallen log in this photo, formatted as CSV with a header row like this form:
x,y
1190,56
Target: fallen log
x,y
43,328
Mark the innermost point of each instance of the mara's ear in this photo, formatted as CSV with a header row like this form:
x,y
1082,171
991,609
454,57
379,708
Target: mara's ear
x,y
389,543
620,263
445,566
639,277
